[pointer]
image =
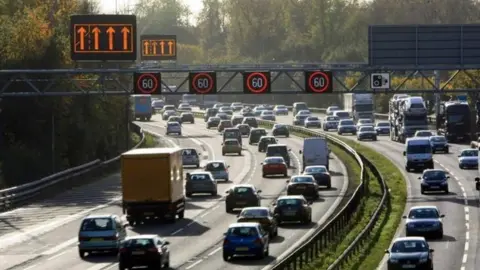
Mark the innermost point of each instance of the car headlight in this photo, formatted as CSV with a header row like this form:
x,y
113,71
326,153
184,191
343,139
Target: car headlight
x,y
423,260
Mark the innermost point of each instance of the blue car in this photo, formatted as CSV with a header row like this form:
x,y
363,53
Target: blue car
x,y
468,158
248,239
100,233
424,221
439,144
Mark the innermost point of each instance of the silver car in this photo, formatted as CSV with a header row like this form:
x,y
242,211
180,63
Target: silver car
x,y
219,169
167,114
268,115
280,110
200,182
312,121
190,157
173,128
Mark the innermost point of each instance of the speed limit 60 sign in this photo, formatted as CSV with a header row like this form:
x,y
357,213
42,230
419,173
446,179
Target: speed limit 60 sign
x,y
318,81
202,83
147,83
257,82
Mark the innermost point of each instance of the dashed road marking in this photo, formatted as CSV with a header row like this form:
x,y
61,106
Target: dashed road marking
x,y
195,263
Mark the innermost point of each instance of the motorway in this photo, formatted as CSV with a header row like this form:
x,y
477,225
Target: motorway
x,y
44,235
459,247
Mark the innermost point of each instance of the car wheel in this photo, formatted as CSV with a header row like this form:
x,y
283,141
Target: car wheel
x,y
264,175
226,256
460,166
329,186
181,214
214,193
440,234
121,266
81,253
446,190
267,252
188,195
198,165
285,174
447,151
223,153
422,190
228,209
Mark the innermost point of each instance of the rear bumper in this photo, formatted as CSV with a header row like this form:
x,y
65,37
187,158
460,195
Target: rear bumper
x,y
103,245
274,171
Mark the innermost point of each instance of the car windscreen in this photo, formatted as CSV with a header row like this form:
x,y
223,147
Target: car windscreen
x,y
421,213
346,123
97,224
409,246
367,129
469,153
434,175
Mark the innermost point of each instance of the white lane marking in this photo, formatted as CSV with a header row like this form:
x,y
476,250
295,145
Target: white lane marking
x,y
177,231
464,260
31,267
213,252
58,255
194,264
60,246
467,235
466,246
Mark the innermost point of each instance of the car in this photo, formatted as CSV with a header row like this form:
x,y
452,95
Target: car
x,y
261,215
158,104
274,166
424,221
244,129
227,110
346,126
266,141
247,112
292,209
330,122
434,180
217,106
173,128
320,174
268,115
209,113
236,106
256,134
269,107
298,106
299,120
246,238
410,253
312,121
190,157
168,108
279,150
304,112
100,233
342,115
223,116
231,146
167,114
280,110
240,196
232,133
144,250
439,144
257,111
331,109
184,108
251,121
213,122
200,182
237,119
280,130
223,125
364,122
219,169
303,185
187,117
175,118
424,133
468,158
382,128
366,133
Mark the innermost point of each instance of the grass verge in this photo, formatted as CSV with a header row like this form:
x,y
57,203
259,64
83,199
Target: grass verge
x,y
150,140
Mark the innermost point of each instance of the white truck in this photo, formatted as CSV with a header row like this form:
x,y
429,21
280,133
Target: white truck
x,y
315,152
360,106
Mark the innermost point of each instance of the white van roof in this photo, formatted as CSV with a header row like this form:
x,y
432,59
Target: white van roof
x,y
416,100
417,141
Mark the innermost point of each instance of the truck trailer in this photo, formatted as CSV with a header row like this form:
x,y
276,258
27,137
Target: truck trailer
x,y
360,106
404,119
152,184
453,121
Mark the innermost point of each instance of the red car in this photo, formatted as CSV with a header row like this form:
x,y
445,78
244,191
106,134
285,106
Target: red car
x,y
274,166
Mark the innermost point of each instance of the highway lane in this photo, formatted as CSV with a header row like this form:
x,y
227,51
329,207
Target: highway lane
x,y
453,250
57,249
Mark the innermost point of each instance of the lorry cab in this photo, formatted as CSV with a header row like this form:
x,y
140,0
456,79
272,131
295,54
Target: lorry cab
x,y
418,154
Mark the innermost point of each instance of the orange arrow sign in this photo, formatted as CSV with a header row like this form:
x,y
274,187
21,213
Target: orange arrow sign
x,y
125,32
170,48
110,32
145,47
95,32
154,47
162,47
81,32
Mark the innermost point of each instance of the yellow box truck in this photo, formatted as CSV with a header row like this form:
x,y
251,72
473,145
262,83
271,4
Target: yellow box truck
x,y
152,184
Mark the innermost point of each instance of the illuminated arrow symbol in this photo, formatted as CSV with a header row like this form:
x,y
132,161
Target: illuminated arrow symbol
x,y
154,47
170,48
125,32
162,47
110,32
145,47
95,32
81,31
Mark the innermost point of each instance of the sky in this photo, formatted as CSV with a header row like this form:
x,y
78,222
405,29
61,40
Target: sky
x,y
108,6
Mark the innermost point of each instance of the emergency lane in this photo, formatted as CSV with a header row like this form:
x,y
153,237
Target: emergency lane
x,y
449,251
57,249
288,236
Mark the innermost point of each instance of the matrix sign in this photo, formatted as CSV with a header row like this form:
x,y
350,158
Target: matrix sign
x,y
202,83
318,81
147,83
256,82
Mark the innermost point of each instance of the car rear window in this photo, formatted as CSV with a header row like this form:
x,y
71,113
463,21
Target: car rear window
x,y
216,166
230,142
283,202
139,243
243,190
302,179
276,150
254,213
243,231
199,177
189,152
174,124
346,123
316,170
97,224
259,131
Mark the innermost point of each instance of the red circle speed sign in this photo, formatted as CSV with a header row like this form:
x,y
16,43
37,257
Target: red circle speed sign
x,y
257,82
202,83
319,82
147,83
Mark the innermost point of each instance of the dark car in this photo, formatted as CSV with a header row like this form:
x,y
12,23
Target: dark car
x,y
262,216
439,144
187,117
424,221
240,196
256,134
190,157
223,125
320,173
144,250
244,129
209,113
410,253
223,116
292,208
266,141
382,128
434,180
279,150
251,121
280,130
213,122
303,185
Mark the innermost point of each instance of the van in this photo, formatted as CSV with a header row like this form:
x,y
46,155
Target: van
x,y
298,106
342,115
415,105
315,152
232,133
418,154
279,150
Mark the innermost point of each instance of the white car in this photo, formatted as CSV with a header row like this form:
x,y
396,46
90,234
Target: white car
x,y
280,110
424,133
364,122
312,121
268,115
304,112
173,128
331,109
